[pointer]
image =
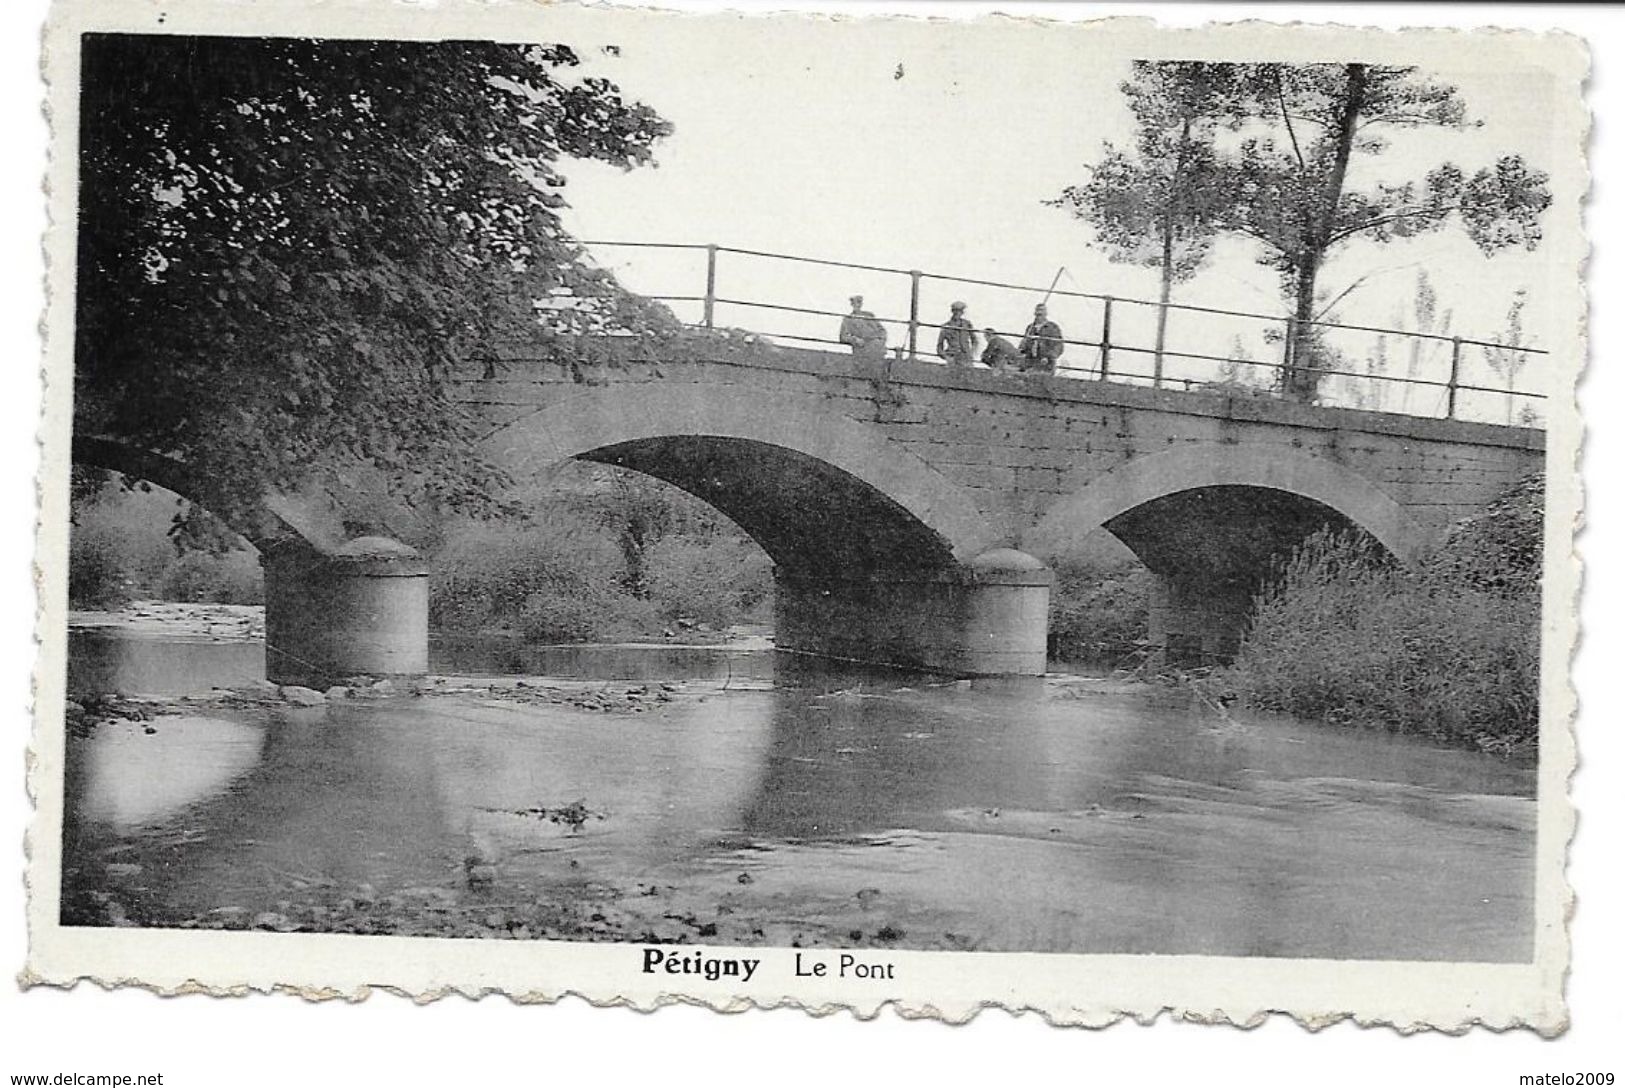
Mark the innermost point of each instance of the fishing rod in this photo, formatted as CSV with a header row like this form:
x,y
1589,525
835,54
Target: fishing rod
x,y
1052,283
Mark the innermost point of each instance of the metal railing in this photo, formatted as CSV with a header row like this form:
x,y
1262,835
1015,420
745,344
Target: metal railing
x,y
1106,354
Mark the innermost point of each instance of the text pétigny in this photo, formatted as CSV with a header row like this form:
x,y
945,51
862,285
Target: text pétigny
x,y
711,968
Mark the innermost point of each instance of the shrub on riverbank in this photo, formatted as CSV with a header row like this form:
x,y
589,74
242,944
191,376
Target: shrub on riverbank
x,y
232,578
1098,611
606,554
551,582
112,562
96,572
566,580
717,581
1449,650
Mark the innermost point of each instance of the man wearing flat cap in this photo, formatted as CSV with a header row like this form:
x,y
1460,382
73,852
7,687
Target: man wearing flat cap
x,y
956,343
1041,345
861,332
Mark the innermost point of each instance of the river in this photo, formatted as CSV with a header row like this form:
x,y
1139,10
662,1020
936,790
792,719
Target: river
x,y
762,798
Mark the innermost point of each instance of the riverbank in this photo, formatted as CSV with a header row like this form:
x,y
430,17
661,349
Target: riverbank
x,y
174,619
1372,649
88,709
246,623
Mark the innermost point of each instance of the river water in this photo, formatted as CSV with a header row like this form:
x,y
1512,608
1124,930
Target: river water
x,y
764,798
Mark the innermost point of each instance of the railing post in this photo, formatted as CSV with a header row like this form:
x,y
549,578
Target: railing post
x,y
1106,339
1286,355
1455,377
1162,340
913,313
710,286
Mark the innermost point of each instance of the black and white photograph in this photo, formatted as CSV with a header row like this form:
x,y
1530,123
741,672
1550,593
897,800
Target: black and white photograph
x,y
800,509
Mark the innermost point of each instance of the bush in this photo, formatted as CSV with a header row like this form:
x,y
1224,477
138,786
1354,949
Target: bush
x,y
717,582
234,577
1098,610
564,578
96,572
1501,548
487,575
123,544
559,617
1346,636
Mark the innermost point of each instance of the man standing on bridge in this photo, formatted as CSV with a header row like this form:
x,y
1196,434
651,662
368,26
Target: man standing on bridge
x,y
956,343
1041,344
860,331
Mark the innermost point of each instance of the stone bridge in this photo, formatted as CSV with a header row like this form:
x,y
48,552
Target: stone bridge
x,y
910,508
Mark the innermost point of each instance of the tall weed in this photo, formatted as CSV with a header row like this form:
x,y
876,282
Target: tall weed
x,y
717,581
1344,635
1097,610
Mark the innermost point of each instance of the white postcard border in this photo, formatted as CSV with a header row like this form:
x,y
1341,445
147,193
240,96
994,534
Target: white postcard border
x,y
1070,989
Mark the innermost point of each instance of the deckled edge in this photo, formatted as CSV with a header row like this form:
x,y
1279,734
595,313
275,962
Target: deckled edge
x,y
1565,714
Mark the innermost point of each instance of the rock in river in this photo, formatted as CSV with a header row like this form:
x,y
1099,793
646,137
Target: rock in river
x,y
299,696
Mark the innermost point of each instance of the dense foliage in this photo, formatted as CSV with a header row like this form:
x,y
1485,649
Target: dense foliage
x,y
122,547
1450,650
288,247
564,580
605,554
1499,550
1099,611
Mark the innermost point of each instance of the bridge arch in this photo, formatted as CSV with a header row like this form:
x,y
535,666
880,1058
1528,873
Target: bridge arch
x,y
1210,520
822,493
1117,492
275,520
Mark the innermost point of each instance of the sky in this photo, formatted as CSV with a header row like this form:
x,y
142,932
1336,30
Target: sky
x,y
934,148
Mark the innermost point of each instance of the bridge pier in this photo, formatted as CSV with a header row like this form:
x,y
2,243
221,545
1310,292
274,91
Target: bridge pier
x,y
360,610
989,618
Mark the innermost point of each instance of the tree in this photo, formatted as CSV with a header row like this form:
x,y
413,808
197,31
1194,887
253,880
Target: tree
x,y
1289,185
288,248
1160,206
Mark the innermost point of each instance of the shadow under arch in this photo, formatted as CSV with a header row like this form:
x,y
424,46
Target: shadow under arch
x,y
1113,494
825,495
1211,521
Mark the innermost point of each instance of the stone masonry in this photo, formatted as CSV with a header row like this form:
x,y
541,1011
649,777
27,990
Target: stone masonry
x,y
855,473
